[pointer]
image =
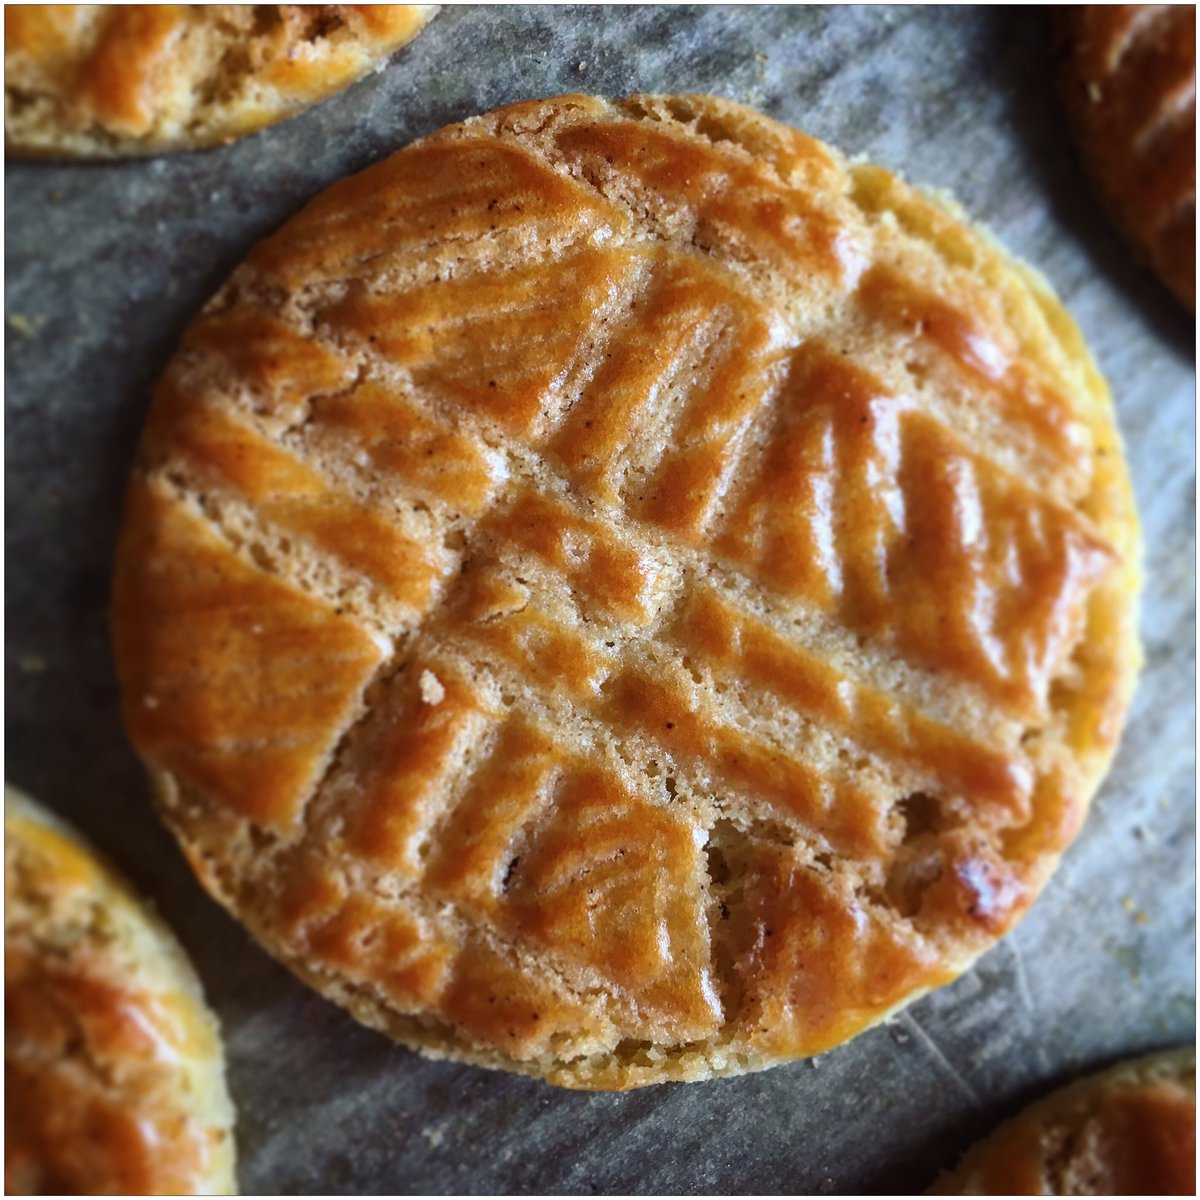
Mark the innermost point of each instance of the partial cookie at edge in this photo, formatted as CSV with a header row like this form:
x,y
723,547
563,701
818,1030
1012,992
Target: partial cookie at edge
x,y
1130,1130
109,81
114,1071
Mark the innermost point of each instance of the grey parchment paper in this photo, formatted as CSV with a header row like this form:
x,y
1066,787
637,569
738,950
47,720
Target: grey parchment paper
x,y
106,264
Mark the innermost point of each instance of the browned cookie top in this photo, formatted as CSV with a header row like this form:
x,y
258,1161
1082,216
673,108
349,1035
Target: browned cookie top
x,y
617,592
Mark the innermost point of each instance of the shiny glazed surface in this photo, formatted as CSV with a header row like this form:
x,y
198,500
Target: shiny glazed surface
x,y
614,592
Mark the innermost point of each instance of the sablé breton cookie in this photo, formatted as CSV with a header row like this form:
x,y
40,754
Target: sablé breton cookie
x,y
114,1075
1129,1131
1129,82
619,593
102,81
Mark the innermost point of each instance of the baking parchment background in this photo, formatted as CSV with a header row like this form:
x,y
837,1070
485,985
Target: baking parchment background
x,y
105,265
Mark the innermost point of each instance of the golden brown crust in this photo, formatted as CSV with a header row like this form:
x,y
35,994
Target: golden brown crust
x,y
1129,1131
112,80
114,1075
618,593
1129,82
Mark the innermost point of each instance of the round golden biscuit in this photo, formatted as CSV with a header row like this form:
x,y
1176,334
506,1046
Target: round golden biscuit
x,y
1129,1131
104,81
619,593
114,1075
1129,83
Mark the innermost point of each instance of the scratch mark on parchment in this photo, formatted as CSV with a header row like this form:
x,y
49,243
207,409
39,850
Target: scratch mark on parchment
x,y
934,1049
1020,978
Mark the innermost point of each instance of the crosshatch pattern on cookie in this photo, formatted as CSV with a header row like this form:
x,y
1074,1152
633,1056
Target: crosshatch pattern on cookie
x,y
622,561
